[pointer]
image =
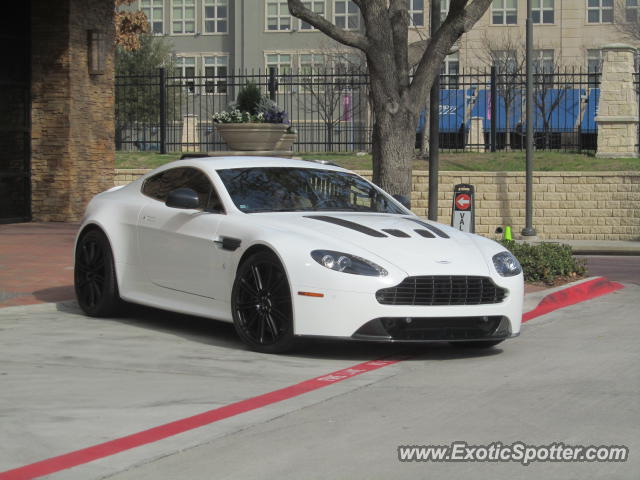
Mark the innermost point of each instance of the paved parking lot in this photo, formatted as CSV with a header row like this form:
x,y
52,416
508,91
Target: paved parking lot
x,y
70,382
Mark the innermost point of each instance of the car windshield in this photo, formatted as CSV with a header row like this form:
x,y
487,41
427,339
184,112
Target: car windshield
x,y
279,189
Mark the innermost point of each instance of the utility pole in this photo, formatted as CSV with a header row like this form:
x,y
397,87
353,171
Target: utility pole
x,y
434,126
528,230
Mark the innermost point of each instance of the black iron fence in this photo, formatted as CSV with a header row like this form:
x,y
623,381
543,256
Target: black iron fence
x,y
479,111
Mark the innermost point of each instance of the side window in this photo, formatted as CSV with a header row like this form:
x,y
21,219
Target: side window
x,y
159,186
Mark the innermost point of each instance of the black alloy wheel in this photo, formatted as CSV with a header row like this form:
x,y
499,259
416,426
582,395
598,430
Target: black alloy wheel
x,y
94,276
261,304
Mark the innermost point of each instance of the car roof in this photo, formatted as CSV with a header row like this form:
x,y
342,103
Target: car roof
x,y
221,163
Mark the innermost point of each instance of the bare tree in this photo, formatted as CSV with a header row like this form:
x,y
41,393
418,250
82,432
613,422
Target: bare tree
x,y
396,97
627,19
507,55
335,89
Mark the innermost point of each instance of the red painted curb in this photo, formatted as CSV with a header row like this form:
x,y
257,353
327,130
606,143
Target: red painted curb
x,y
79,457
572,295
563,298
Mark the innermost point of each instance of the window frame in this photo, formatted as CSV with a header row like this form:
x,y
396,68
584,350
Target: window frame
x,y
180,64
540,10
417,11
215,66
346,15
279,16
154,5
632,8
600,9
215,4
213,191
504,13
312,8
183,6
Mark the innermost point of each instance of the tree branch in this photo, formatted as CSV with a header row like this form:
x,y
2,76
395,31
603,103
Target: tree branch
x,y
352,39
463,15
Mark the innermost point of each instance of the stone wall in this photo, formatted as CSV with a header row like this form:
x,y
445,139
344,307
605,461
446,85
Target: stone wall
x,y
567,205
72,112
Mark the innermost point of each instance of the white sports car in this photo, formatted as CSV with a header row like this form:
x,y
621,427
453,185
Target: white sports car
x,y
289,248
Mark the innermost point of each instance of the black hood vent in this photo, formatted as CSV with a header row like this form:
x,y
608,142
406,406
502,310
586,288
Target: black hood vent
x,y
396,233
435,230
347,224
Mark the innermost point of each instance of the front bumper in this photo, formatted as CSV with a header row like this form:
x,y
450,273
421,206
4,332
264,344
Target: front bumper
x,y
358,315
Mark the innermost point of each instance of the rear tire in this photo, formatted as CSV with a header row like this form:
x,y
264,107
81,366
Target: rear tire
x,y
261,304
94,276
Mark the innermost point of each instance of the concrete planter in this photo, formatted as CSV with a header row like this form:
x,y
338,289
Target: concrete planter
x,y
252,136
286,142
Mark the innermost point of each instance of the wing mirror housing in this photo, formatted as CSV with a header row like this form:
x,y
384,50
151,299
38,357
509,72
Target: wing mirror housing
x,y
185,198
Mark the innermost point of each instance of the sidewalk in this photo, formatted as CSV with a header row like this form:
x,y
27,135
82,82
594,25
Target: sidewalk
x,y
36,261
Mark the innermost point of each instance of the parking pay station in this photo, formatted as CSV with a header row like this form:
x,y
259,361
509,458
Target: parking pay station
x,y
463,212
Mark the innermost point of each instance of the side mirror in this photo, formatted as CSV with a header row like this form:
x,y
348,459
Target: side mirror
x,y
403,200
186,198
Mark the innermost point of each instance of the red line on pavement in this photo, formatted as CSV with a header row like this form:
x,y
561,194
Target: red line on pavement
x,y
79,457
563,298
572,295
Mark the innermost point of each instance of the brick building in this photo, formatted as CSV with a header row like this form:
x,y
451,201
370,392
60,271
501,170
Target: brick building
x,y
56,104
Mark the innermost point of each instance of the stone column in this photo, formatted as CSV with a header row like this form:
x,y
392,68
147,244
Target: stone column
x,y
475,139
72,109
190,137
617,117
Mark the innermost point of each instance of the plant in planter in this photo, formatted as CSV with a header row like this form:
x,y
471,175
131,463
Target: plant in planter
x,y
253,123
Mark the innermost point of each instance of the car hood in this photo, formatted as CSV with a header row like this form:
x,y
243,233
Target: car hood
x,y
392,238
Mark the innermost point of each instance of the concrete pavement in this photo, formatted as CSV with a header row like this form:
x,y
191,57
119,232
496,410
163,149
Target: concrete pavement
x,y
69,382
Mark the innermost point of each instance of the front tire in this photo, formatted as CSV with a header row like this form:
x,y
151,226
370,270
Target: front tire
x,y
94,276
261,304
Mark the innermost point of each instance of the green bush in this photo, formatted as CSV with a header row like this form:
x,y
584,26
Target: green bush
x,y
546,262
249,98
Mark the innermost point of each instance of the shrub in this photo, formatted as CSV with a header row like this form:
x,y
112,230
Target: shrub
x,y
249,98
546,262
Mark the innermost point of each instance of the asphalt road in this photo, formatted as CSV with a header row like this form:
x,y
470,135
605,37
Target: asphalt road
x,y
624,269
69,382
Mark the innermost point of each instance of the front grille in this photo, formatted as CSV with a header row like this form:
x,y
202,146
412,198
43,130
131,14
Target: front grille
x,y
442,290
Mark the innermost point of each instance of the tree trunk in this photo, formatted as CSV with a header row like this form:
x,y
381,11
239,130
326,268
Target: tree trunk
x,y
393,151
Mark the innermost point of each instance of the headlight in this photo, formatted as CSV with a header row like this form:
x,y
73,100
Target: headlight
x,y
506,264
344,262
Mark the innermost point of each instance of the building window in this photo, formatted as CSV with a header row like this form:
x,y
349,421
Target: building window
x,y
278,17
416,12
600,11
449,71
183,16
506,61
311,68
186,70
215,71
632,7
280,61
543,61
216,16
542,11
504,12
316,6
154,10
594,65
346,14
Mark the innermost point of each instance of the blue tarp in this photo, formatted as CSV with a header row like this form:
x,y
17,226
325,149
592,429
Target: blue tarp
x,y
561,107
